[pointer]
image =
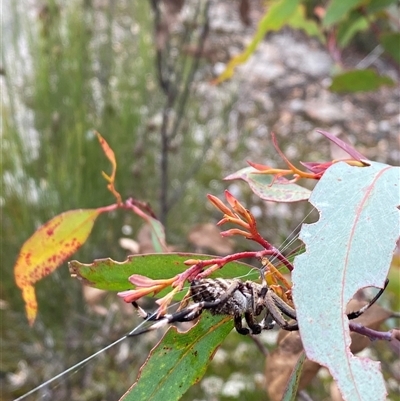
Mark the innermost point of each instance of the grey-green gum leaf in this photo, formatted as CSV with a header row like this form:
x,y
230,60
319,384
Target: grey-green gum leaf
x,y
348,248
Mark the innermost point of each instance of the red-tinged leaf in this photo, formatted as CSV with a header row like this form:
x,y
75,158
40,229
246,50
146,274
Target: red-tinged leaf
x,y
179,360
143,281
268,188
259,167
348,248
355,154
220,205
47,248
110,156
109,153
316,167
244,173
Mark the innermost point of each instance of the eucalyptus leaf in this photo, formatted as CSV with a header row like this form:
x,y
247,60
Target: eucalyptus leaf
x,y
350,247
110,275
179,360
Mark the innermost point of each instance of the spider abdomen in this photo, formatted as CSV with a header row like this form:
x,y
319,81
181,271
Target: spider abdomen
x,y
211,290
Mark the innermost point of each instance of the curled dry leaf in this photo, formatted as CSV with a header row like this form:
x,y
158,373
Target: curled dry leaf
x,y
396,334
93,297
207,236
4,304
280,362
372,318
145,240
335,392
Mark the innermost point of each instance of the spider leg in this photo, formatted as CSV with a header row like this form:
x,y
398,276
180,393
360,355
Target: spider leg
x,y
354,315
238,325
282,305
254,326
145,315
268,322
181,316
277,307
252,323
185,315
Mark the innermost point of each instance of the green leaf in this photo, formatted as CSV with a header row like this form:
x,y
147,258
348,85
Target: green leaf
x,y
179,360
280,190
338,9
377,5
107,274
350,247
391,43
293,383
299,21
359,80
347,29
274,19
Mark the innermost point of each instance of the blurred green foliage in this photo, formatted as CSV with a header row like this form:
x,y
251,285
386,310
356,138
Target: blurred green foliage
x,y
71,67
337,26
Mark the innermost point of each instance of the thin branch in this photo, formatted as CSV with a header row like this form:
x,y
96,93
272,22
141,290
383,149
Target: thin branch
x,y
157,25
260,345
395,314
391,335
195,66
169,82
189,174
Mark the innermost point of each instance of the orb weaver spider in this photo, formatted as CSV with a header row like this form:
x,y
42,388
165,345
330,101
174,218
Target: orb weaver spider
x,y
238,299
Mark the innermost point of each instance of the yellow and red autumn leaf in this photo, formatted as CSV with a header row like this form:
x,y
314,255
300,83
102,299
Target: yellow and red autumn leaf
x,y
48,248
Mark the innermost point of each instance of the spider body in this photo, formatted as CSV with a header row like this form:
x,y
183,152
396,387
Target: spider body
x,y
239,299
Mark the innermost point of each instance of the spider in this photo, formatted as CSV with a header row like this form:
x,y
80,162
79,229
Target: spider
x,y
238,299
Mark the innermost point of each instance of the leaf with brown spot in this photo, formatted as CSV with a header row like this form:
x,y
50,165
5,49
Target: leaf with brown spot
x,y
48,248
